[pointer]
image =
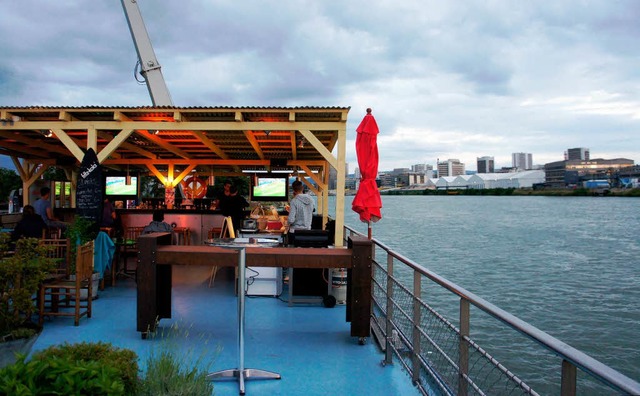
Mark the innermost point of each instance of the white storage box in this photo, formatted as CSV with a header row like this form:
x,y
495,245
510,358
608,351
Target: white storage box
x,y
264,281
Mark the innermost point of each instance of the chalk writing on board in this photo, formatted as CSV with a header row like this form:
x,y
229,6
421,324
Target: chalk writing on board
x,y
89,188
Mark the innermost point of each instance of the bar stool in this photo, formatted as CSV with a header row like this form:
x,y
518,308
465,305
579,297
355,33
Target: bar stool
x,y
183,235
214,232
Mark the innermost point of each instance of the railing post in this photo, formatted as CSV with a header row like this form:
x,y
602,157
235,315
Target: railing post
x,y
569,377
388,353
415,360
463,347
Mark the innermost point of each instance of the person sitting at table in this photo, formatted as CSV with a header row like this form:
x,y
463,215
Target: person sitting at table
x,y
157,224
43,208
30,226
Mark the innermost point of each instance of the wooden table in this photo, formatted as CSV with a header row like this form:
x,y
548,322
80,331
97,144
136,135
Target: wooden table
x,y
157,256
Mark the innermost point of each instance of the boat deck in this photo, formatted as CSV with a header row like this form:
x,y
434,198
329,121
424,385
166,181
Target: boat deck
x,y
307,344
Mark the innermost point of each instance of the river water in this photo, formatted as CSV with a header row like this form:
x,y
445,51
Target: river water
x,y
569,266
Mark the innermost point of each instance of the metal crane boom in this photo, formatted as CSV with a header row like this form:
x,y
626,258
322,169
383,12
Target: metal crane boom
x,y
150,67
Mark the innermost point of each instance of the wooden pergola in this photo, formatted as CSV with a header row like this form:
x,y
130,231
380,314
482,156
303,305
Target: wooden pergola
x,y
171,142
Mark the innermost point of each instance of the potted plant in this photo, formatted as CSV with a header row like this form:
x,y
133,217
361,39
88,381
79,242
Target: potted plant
x,y
81,231
20,277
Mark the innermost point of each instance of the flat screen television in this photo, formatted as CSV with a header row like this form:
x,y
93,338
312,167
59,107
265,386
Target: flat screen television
x,y
117,186
270,188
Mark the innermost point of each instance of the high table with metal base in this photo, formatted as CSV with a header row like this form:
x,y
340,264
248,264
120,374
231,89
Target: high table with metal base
x,y
241,373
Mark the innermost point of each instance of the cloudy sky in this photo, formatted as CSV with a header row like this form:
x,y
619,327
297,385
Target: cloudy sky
x,y
445,79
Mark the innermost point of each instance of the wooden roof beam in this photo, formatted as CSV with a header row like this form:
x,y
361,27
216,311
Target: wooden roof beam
x,y
162,143
69,143
326,154
33,142
35,151
66,116
294,146
312,175
254,143
120,116
113,145
128,146
210,144
160,161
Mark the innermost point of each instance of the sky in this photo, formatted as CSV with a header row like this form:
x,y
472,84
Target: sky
x,y
445,79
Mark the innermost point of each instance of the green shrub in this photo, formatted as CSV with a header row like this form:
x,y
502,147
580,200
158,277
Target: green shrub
x,y
20,278
73,369
59,376
124,361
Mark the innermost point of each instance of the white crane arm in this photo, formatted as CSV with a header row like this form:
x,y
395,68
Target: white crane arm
x,y
150,67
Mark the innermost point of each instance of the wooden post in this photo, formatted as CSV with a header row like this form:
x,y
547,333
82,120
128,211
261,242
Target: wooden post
x,y
154,284
360,296
569,378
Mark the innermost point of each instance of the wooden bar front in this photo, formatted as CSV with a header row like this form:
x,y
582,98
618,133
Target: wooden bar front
x,y
157,256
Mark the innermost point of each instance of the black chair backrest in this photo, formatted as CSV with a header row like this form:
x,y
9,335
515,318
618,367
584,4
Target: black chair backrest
x,y
311,238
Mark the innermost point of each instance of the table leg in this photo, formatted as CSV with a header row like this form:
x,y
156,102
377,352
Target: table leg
x,y
242,373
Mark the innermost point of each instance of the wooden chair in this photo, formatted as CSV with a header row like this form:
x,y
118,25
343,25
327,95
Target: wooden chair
x,y
183,235
70,290
226,231
130,245
51,233
60,250
214,232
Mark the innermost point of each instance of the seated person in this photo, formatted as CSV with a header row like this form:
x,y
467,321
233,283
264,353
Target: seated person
x,y
43,208
30,226
157,224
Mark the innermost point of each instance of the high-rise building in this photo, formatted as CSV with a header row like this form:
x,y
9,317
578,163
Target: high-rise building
x,y
578,153
522,161
485,164
450,167
423,169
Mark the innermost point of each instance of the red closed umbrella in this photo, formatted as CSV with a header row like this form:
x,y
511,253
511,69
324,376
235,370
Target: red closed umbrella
x,y
367,202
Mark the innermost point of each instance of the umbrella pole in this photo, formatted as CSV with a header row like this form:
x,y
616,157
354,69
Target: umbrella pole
x,y
369,229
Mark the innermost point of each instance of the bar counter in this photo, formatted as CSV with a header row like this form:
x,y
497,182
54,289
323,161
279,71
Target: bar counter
x,y
198,221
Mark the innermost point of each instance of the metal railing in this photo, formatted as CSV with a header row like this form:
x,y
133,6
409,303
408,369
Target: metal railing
x,y
437,348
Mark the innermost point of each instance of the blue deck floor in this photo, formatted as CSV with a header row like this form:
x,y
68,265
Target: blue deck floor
x,y
309,345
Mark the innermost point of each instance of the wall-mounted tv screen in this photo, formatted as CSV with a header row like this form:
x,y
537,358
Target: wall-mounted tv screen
x,y
117,186
270,188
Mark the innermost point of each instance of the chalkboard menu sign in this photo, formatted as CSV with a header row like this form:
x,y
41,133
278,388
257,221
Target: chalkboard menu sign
x,y
89,188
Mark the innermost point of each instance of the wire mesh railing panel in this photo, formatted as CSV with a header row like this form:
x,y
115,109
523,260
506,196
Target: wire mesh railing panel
x,y
439,345
482,362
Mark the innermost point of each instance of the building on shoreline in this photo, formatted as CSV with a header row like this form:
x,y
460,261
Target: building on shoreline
x,y
522,161
570,173
450,167
485,164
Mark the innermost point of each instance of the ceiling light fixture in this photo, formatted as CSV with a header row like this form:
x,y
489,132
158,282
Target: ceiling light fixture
x,y
267,133
301,143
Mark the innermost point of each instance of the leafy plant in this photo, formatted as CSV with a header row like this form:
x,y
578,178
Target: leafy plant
x,y
80,231
124,361
20,278
73,369
9,180
170,372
